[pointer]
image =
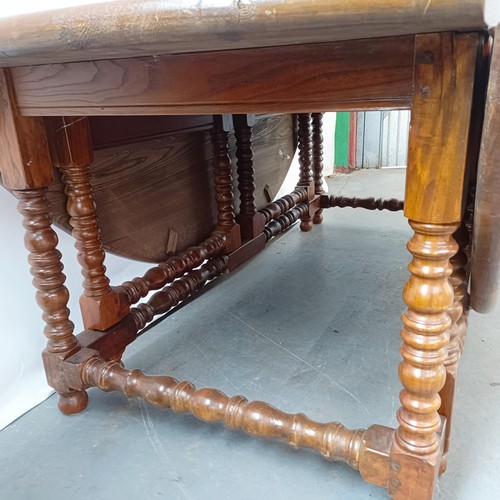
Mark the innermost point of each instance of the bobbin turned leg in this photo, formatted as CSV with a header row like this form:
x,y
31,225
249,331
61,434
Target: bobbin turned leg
x,y
51,294
71,152
317,161
251,222
444,77
224,197
305,163
26,169
428,294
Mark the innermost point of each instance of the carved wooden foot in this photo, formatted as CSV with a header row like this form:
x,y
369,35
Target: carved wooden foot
x,y
417,450
51,294
73,403
318,217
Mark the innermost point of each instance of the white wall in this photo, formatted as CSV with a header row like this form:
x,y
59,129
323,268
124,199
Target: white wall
x,y
493,12
329,121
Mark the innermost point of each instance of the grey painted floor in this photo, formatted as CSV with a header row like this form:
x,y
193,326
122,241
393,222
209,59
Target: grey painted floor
x,y
312,325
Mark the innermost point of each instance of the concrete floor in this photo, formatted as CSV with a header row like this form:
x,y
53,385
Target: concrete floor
x,y
312,325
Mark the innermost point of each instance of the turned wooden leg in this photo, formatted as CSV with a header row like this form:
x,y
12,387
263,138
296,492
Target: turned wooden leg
x,y
224,197
51,294
441,108
305,163
27,170
72,154
251,222
428,295
458,330
317,160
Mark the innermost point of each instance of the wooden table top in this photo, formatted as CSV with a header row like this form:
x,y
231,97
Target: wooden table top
x,y
128,28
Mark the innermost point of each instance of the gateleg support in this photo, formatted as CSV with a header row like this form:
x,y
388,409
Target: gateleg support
x,y
71,151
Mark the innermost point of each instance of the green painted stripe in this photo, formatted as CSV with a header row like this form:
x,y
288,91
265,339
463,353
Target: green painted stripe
x,y
342,140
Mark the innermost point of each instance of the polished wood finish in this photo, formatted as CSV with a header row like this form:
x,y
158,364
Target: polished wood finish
x,y
226,221
72,153
282,205
317,160
175,267
246,251
155,198
418,447
428,295
167,298
305,150
138,27
251,223
392,204
283,222
432,73
246,183
111,131
51,294
24,156
444,76
485,273
445,67
346,76
332,440
305,164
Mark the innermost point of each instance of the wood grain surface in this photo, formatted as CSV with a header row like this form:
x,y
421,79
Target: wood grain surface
x,y
24,154
304,78
441,111
485,272
130,28
157,196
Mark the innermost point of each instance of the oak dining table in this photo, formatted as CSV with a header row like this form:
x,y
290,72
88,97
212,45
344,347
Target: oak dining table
x,y
232,60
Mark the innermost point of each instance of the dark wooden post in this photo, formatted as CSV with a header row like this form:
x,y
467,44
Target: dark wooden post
x,y
251,222
226,221
317,161
305,162
71,151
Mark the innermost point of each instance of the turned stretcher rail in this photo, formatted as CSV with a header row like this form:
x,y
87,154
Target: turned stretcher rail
x,y
170,296
173,268
283,222
392,204
284,204
334,441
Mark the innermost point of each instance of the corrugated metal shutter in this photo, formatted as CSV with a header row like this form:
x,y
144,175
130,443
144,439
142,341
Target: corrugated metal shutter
x,y
382,139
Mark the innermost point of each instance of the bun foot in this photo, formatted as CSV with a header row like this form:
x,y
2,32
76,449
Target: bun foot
x,y
318,217
73,403
306,224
